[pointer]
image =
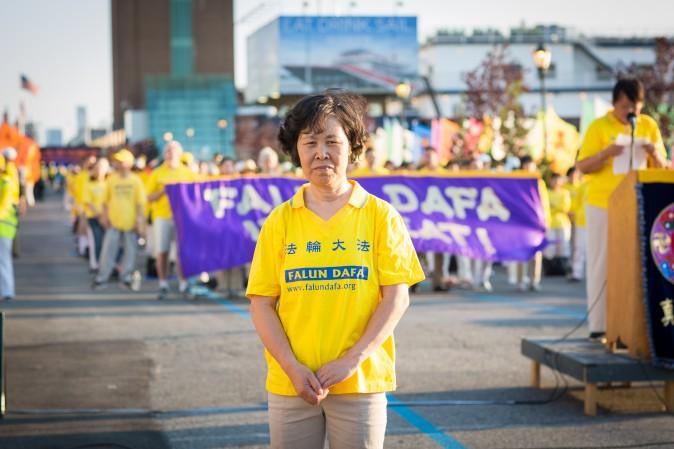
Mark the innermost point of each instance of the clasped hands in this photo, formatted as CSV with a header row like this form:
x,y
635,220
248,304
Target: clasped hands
x,y
314,387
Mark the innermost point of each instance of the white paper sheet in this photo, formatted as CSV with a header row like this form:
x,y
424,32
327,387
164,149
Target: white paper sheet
x,y
621,163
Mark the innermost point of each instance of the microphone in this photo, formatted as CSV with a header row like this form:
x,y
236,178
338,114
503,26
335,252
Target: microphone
x,y
632,118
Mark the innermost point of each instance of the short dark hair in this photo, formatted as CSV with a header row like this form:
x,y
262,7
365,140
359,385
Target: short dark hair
x,y
571,171
629,87
311,112
525,160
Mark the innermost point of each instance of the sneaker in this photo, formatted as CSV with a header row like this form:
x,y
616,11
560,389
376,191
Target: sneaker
x,y
574,280
136,279
486,286
163,293
597,336
96,285
535,288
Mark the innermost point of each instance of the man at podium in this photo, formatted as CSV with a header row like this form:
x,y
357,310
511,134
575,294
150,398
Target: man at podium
x,y
614,144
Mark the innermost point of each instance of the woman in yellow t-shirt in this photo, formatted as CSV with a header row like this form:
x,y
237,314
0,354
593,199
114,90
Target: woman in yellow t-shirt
x,y
92,201
559,233
328,284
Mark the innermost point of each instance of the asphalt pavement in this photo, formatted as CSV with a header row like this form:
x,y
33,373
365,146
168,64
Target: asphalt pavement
x,y
119,369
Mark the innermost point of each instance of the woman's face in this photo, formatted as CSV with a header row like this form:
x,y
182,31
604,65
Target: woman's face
x,y
324,156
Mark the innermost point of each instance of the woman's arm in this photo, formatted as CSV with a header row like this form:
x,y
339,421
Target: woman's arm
x,y
395,300
275,340
596,162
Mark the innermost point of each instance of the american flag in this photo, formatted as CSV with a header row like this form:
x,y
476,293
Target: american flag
x,y
28,85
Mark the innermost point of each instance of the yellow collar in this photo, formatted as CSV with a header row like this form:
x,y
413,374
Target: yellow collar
x,y
357,199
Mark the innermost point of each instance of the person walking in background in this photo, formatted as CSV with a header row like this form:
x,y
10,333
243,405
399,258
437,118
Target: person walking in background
x,y
80,182
330,350
172,170
596,155
123,217
556,254
529,273
437,262
577,188
8,225
93,209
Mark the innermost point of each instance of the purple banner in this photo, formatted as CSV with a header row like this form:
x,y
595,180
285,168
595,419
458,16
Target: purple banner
x,y
488,217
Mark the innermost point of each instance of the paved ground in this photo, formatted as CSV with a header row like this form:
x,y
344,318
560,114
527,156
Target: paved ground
x,y
189,374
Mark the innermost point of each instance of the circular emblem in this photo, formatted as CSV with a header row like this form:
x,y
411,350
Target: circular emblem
x,y
662,234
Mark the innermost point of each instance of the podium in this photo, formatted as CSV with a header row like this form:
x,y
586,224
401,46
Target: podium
x,y
625,309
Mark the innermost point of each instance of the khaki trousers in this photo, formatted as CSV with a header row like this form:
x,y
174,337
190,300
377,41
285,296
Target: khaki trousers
x,y
597,253
351,421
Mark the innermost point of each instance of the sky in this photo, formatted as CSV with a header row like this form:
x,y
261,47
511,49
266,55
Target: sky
x,y
64,46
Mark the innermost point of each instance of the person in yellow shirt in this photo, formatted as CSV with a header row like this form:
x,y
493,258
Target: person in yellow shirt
x,y
93,209
123,205
171,171
79,187
528,274
577,188
19,199
328,284
8,225
599,148
559,232
437,263
372,165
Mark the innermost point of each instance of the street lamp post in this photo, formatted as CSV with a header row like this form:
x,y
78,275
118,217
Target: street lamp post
x,y
189,132
542,59
403,90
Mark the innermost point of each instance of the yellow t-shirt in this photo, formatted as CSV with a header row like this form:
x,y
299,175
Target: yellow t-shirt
x,y
81,181
602,133
327,277
93,194
577,193
13,173
122,197
161,176
560,206
145,178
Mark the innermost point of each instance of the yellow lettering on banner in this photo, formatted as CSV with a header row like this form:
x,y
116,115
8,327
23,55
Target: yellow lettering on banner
x,y
483,236
462,198
220,199
251,200
401,197
491,206
435,202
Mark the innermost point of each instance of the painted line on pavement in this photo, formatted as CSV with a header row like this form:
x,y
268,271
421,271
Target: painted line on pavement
x,y
522,304
425,426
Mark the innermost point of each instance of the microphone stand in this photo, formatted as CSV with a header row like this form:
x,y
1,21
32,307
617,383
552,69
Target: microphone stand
x,y
631,148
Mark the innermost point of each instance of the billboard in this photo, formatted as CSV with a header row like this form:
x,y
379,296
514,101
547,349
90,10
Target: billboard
x,y
369,55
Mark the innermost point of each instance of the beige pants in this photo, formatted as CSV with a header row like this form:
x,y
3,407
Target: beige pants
x,y
597,253
351,421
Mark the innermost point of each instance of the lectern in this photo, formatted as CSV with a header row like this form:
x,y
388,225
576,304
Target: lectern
x,y
625,305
